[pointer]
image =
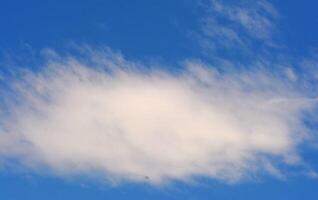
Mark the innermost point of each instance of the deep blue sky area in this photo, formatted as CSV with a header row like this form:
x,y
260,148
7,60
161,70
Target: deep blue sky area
x,y
160,29
34,187
165,31
139,29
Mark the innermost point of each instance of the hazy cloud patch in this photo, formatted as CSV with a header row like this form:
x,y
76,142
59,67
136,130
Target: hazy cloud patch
x,y
101,113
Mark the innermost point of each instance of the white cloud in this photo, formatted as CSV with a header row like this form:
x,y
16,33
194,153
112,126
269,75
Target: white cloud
x,y
115,117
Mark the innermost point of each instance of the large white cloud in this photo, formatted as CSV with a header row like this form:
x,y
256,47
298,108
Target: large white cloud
x,y
119,119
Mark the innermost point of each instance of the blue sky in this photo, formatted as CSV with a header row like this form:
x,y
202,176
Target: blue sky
x,y
193,99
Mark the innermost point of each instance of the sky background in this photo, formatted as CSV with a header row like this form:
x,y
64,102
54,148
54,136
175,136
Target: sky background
x,y
279,37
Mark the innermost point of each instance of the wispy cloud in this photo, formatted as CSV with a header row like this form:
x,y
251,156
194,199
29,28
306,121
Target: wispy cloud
x,y
101,113
230,25
256,17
